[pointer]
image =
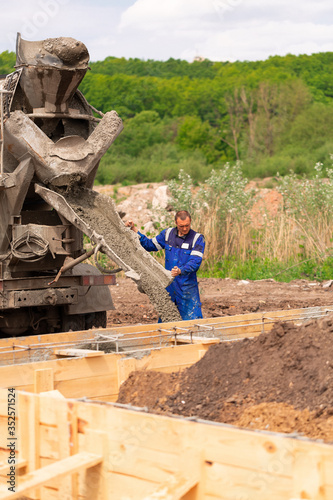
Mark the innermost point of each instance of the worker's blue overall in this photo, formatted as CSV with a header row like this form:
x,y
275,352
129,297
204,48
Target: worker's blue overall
x,y
186,253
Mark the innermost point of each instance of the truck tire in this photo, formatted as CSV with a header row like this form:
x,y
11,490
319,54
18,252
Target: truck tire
x,y
73,322
96,320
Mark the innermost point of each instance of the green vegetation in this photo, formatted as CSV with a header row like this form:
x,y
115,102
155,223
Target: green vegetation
x,y
274,115
7,62
258,269
246,240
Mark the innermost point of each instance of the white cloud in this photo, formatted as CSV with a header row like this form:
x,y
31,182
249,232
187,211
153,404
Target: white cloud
x,y
149,14
260,40
233,29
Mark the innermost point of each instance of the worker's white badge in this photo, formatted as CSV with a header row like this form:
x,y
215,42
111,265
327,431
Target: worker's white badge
x,y
185,245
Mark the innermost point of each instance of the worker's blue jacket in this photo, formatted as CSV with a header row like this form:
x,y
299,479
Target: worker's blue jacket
x,y
186,253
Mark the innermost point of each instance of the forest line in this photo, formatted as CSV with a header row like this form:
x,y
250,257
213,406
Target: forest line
x,y
274,115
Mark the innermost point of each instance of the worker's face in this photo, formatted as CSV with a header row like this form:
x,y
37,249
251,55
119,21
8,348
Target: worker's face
x,y
183,226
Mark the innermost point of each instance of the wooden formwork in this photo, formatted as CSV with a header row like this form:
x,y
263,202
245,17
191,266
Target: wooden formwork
x,y
71,449
96,378
97,449
31,348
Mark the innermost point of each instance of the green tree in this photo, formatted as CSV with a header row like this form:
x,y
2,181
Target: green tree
x,y
7,62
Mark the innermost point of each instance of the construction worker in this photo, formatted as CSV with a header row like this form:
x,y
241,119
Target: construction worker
x,y
184,250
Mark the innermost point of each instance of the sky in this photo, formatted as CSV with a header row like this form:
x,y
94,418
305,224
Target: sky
x,y
219,30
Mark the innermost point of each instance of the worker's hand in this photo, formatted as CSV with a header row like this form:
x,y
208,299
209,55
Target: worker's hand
x,y
175,271
131,225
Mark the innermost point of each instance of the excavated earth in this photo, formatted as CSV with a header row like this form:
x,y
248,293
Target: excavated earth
x,y
280,381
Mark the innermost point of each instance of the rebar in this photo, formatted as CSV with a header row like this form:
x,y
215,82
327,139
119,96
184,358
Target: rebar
x,y
147,340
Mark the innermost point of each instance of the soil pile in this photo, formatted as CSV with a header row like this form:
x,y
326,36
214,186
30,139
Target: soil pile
x,y
282,381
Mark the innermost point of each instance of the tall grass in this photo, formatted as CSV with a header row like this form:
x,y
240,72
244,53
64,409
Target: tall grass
x,y
239,238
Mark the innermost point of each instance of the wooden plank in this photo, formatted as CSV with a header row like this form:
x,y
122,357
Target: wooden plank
x,y
49,442
63,430
327,470
43,380
83,460
201,354
138,461
81,353
74,448
102,385
187,339
3,402
125,367
64,369
89,377
28,434
308,479
49,493
54,393
51,490
127,487
110,398
19,464
229,482
95,479
172,358
176,487
262,454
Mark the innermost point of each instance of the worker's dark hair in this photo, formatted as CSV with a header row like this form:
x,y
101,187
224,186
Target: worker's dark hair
x,y
182,215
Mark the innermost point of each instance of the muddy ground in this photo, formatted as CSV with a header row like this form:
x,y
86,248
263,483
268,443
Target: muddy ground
x,y
222,297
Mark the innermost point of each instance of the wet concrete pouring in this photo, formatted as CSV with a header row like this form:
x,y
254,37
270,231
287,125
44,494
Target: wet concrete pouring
x,y
99,213
280,381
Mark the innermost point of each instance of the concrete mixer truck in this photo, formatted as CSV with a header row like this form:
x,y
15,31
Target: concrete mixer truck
x,y
51,143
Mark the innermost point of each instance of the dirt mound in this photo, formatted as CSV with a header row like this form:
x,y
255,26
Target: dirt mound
x,y
280,417
291,366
